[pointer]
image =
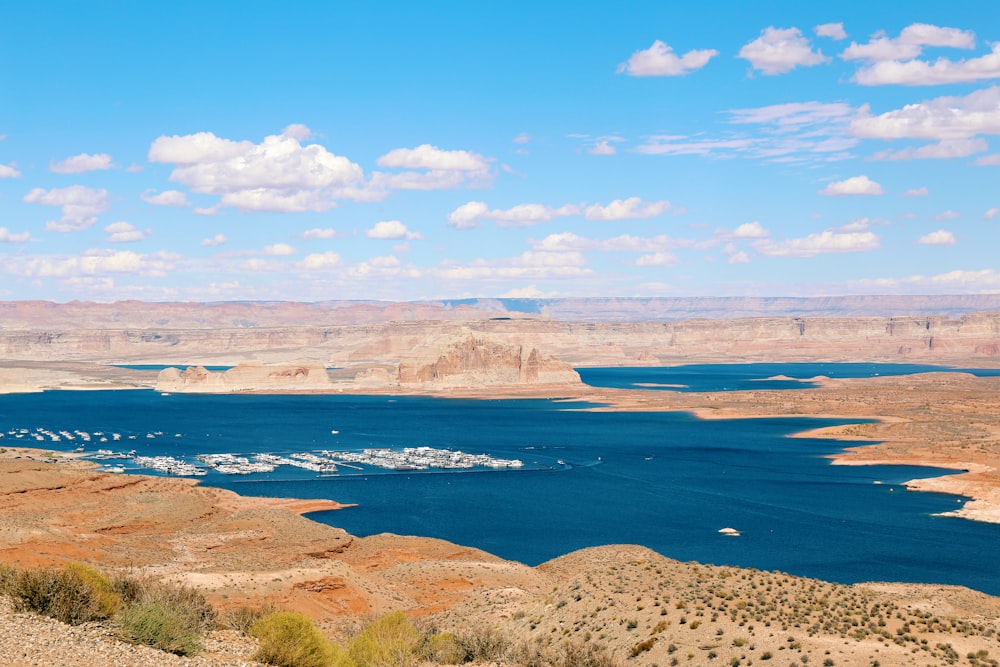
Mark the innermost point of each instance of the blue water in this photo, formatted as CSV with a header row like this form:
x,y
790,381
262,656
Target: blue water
x,y
664,480
740,377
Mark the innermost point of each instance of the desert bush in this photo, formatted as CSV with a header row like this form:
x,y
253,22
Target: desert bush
x,y
73,595
242,618
170,618
7,577
389,641
485,644
290,639
443,648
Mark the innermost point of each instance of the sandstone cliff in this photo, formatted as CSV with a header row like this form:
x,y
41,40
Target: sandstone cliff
x,y
475,360
245,377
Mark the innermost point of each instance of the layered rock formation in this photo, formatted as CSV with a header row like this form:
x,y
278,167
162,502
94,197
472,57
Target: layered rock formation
x,y
475,361
245,377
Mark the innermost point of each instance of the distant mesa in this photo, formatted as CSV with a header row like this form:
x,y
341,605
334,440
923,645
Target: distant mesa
x,y
470,359
245,378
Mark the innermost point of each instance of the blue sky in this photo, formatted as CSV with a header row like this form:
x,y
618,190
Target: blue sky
x,y
398,151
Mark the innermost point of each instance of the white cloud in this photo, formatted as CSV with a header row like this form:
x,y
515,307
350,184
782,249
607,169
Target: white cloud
x,y
777,51
738,257
626,209
430,157
7,171
529,265
437,169
80,206
279,174
602,148
947,215
831,30
988,160
392,230
214,241
123,232
792,132
570,242
93,263
522,138
829,241
940,237
916,192
81,163
529,292
320,260
7,236
467,215
856,185
991,213
656,259
859,225
317,233
279,250
165,198
922,73
941,118
297,131
944,149
660,60
751,230
953,282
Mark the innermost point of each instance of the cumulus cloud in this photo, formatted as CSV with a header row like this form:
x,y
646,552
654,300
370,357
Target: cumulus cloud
x,y
317,261
317,233
8,171
431,168
278,174
750,230
626,209
392,230
916,192
660,60
952,282
856,185
896,60
991,213
779,50
7,236
81,163
80,206
124,232
165,198
656,259
279,250
829,241
831,30
93,263
940,237
214,241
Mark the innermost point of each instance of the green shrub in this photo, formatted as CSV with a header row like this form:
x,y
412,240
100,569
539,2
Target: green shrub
x,y
290,639
389,641
72,595
170,618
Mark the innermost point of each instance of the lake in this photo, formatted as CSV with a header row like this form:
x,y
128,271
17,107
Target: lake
x,y
664,480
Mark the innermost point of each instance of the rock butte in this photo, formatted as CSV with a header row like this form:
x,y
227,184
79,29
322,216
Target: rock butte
x,y
239,549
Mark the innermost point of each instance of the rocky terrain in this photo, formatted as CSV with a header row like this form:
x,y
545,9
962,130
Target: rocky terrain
x,y
648,609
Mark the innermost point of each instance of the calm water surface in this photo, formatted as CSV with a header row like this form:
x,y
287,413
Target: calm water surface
x,y
664,480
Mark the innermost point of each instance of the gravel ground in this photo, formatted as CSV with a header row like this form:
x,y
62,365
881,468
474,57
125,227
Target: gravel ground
x,y
27,639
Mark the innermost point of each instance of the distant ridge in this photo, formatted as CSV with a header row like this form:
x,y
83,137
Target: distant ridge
x,y
121,315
